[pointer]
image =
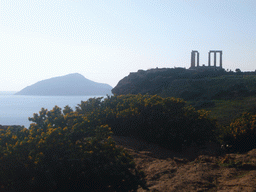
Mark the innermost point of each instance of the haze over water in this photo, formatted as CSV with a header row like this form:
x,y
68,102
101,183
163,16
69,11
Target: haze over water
x,y
15,109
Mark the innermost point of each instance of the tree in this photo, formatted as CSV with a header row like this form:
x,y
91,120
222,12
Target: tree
x,y
238,70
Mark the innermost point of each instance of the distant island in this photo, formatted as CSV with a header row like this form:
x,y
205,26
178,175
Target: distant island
x,y
69,85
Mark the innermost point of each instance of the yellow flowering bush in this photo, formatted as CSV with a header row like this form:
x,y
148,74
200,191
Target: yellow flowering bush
x,y
64,151
69,150
166,121
241,133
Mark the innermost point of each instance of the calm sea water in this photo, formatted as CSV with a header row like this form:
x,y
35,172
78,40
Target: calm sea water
x,y
15,109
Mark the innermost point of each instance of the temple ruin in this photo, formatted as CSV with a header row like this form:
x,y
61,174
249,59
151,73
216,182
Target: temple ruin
x,y
195,60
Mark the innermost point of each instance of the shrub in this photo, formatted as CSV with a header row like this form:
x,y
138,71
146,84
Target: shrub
x,y
241,133
70,150
64,151
166,121
203,104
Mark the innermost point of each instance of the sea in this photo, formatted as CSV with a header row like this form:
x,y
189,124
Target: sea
x,y
16,109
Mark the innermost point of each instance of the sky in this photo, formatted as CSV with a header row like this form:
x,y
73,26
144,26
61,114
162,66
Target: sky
x,y
106,40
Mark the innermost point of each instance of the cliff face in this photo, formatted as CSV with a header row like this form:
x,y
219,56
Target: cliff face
x,y
72,84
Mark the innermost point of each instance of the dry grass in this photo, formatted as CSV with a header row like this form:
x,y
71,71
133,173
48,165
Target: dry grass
x,y
188,171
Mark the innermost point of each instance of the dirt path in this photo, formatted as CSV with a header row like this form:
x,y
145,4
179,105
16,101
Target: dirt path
x,y
169,171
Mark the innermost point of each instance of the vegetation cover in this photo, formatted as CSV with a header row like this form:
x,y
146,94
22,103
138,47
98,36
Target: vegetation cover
x,y
224,93
236,123
64,151
241,133
190,85
172,123
165,121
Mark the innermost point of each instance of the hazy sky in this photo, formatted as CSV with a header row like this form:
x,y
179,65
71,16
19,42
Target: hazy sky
x,y
105,40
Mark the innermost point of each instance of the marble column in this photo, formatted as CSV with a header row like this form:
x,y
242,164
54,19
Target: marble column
x,y
209,58
221,59
215,59
192,59
197,59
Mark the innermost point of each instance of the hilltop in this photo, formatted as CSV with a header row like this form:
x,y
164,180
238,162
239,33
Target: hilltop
x,y
71,84
188,84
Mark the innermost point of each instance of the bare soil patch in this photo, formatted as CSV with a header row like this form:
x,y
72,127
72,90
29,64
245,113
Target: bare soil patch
x,y
189,171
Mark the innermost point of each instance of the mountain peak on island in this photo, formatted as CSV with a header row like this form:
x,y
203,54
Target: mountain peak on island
x,y
77,75
70,84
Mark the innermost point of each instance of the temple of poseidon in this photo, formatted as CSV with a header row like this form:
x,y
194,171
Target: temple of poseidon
x,y
195,61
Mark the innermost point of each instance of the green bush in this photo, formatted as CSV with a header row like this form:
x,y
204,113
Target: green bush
x,y
203,104
241,133
64,151
166,121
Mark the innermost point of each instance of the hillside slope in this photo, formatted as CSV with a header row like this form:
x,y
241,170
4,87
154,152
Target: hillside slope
x,y
188,84
71,84
190,171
